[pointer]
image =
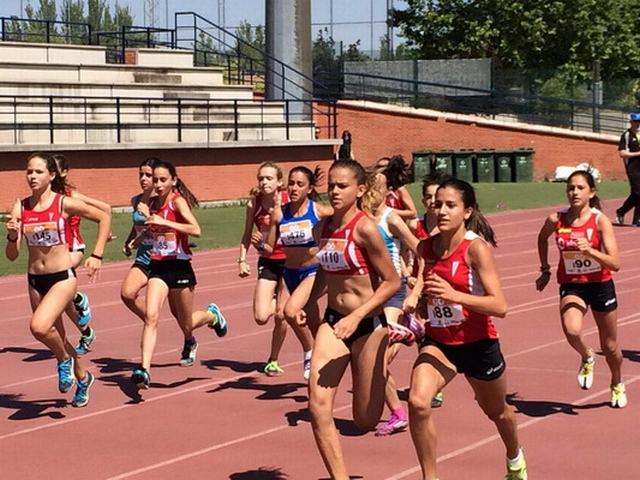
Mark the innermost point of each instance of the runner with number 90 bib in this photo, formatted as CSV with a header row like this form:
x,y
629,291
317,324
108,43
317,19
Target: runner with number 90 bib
x,y
588,254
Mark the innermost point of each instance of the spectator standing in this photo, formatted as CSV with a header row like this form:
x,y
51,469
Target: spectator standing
x,y
629,150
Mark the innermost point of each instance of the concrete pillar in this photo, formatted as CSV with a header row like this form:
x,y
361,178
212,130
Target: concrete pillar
x,y
288,39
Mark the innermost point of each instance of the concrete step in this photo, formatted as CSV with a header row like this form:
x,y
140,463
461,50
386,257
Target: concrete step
x,y
79,89
109,74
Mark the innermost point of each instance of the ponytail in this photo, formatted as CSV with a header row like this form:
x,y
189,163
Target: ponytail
x,y
188,195
373,196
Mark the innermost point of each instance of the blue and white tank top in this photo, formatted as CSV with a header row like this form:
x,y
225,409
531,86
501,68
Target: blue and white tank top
x,y
392,243
298,231
142,254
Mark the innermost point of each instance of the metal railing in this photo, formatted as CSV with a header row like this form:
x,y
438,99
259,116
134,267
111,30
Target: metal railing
x,y
134,37
14,29
119,116
550,111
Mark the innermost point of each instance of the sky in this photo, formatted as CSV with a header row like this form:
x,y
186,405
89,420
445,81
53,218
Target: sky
x,y
253,11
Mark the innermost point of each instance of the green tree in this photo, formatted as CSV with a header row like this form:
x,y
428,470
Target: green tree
x,y
250,45
37,31
73,11
561,36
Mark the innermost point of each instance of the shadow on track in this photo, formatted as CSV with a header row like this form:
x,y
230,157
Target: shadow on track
x,y
544,408
27,410
280,391
36,354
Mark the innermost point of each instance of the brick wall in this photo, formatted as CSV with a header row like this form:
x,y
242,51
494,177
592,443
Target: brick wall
x,y
212,174
379,131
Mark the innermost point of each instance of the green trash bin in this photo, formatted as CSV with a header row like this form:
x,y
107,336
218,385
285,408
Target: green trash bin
x,y
523,164
421,164
504,166
485,167
463,164
443,162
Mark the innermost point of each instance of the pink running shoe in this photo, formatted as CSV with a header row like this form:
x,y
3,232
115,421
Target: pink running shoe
x,y
393,425
400,334
412,322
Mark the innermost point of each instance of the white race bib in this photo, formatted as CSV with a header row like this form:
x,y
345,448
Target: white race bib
x,y
332,255
164,243
42,234
443,314
296,233
577,263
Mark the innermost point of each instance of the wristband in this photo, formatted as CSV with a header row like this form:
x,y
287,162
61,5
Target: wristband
x,y
545,269
11,240
97,257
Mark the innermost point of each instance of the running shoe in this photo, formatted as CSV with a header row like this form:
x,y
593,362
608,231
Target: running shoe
x,y
85,342
188,356
81,398
272,369
619,219
618,396
141,378
410,321
517,471
219,323
65,375
437,400
81,304
400,334
585,374
391,426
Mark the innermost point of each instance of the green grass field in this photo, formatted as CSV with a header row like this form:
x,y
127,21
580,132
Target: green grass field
x,y
222,227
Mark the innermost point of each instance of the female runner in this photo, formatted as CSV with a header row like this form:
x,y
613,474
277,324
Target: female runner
x,y
396,234
79,310
293,224
462,291
396,172
353,330
138,275
270,283
588,255
41,218
170,275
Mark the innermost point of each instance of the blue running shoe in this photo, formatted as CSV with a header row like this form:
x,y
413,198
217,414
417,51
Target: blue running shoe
x,y
65,375
220,323
81,303
189,350
85,342
81,398
141,378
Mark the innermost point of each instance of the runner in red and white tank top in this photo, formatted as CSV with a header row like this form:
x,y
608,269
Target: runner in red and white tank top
x,y
339,252
266,197
262,222
461,293
451,323
41,219
575,266
169,243
588,256
46,228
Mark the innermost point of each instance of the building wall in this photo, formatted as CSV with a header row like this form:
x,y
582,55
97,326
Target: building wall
x,y
212,174
382,130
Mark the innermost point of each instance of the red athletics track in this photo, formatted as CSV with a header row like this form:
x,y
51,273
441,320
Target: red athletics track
x,y
222,420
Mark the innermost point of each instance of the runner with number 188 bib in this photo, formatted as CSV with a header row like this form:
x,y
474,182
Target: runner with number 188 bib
x,y
461,292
